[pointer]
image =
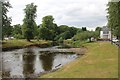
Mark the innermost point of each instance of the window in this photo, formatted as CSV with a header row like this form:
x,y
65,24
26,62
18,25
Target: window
x,y
105,32
105,36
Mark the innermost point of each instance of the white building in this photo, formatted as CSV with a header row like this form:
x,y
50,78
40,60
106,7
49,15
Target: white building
x,y
105,33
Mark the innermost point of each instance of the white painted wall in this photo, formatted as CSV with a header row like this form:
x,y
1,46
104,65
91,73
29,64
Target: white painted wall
x,y
109,36
102,36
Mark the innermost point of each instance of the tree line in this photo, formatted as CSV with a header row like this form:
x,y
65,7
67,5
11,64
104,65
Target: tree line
x,y
48,30
114,17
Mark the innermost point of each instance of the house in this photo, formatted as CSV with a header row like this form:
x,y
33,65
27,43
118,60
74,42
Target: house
x,y
105,33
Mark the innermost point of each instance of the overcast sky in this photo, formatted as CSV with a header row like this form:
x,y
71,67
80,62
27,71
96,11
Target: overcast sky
x,y
78,13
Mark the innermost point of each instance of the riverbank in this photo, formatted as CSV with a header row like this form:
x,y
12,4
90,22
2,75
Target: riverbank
x,y
18,44
100,61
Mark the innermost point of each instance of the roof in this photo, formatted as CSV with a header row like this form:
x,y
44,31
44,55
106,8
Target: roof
x,y
105,28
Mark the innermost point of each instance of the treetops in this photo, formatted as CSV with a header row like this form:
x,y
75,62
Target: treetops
x,y
48,30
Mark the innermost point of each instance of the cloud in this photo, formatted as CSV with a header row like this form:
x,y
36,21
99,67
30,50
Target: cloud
x,y
90,13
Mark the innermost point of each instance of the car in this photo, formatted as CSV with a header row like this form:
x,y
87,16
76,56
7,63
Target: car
x,y
115,40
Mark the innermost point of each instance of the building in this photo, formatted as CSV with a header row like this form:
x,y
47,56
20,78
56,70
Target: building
x,y
105,33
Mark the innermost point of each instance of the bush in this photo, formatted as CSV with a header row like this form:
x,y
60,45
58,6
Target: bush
x,y
18,36
85,35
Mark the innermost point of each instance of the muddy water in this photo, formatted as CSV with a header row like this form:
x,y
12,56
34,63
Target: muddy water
x,y
30,62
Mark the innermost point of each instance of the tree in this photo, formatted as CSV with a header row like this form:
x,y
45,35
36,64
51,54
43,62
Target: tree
x,y
43,33
29,21
73,31
65,32
97,32
84,29
17,31
63,28
35,32
79,30
98,29
6,21
114,17
48,29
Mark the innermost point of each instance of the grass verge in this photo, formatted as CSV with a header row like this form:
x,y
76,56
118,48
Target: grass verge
x,y
100,61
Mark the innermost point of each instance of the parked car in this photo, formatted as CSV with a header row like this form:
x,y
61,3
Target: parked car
x,y
115,40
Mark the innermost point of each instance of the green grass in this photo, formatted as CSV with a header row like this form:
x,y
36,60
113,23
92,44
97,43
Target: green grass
x,y
100,61
21,42
74,43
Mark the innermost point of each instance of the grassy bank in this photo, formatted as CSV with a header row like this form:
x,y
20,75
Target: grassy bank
x,y
21,43
100,61
75,44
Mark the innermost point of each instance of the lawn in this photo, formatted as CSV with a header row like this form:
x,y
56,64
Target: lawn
x,y
99,61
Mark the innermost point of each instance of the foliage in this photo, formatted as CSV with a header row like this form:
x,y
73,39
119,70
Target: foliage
x,y
6,21
83,35
29,25
66,32
35,32
96,34
75,44
98,29
55,33
44,32
79,30
63,28
84,29
114,17
48,29
17,31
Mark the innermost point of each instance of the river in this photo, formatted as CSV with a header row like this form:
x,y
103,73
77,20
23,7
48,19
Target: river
x,y
33,61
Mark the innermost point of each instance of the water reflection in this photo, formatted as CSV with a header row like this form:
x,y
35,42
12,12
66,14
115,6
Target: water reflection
x,y
47,61
30,61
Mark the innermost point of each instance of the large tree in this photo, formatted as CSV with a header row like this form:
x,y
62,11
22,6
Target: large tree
x,y
6,21
29,24
114,17
48,29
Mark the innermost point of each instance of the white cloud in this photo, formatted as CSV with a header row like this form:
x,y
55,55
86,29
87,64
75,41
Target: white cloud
x,y
90,13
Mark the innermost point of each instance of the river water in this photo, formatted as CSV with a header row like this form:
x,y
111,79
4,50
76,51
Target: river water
x,y
29,62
